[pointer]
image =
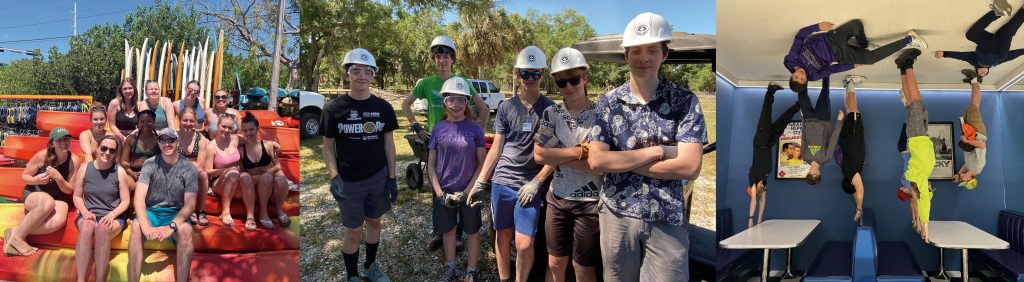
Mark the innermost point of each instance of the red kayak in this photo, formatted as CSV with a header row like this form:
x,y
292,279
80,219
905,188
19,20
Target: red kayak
x,y
287,137
59,265
74,122
12,184
213,238
24,147
291,206
290,168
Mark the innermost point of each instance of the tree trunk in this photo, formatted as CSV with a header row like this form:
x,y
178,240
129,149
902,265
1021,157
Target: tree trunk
x,y
275,68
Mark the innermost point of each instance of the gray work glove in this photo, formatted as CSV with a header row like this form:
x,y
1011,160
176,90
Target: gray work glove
x,y
528,191
452,200
478,194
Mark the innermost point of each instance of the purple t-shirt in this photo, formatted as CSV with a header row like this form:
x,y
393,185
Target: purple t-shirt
x,y
456,144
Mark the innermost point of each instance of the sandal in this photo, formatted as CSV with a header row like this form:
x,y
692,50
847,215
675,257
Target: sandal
x,y
227,220
285,220
857,216
250,224
9,248
267,223
203,221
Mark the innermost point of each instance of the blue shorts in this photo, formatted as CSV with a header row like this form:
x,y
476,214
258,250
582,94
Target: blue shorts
x,y
119,220
163,217
507,212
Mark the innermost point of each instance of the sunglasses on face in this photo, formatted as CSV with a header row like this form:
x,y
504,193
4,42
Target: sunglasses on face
x,y
108,150
98,107
455,101
220,97
192,91
563,82
534,75
167,140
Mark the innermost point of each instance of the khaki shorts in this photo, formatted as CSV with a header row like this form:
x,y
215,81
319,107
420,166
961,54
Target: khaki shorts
x,y
973,117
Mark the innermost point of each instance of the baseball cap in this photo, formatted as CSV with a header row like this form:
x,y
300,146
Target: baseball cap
x,y
58,133
167,131
971,184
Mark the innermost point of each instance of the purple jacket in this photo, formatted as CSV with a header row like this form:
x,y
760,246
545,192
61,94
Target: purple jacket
x,y
813,54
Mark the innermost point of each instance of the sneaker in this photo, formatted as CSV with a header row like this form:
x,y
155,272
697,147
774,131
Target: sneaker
x,y
916,41
375,274
969,75
450,274
1001,8
772,87
436,242
851,81
903,98
470,276
906,59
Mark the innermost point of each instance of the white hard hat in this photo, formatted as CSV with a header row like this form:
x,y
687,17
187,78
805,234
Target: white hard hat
x,y
567,59
442,40
359,56
531,57
646,28
455,85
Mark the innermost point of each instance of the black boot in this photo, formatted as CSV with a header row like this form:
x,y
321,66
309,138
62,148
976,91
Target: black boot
x,y
906,59
969,75
772,87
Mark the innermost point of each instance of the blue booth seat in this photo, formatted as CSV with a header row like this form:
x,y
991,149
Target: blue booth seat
x,y
733,265
1008,263
897,264
832,264
865,259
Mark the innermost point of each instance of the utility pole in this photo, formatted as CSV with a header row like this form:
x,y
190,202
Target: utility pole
x,y
74,19
275,68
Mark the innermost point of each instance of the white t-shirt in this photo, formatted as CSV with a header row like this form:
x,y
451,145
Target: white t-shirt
x,y
975,160
559,129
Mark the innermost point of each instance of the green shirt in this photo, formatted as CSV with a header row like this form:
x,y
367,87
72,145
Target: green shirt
x,y
430,88
922,161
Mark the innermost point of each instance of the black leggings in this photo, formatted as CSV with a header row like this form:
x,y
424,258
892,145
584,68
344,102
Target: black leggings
x,y
846,54
768,132
822,108
997,44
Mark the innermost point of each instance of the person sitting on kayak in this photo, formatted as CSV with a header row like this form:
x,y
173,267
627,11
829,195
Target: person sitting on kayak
x,y
123,110
139,146
193,147
45,195
89,140
160,105
101,197
165,212
222,156
264,174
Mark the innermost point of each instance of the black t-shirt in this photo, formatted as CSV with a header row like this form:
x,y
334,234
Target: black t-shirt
x,y
760,166
851,140
358,128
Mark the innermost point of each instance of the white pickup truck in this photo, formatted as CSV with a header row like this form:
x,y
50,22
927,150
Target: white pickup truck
x,y
310,106
485,88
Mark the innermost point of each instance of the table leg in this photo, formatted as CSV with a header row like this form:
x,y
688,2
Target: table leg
x,y
965,270
789,263
764,267
942,267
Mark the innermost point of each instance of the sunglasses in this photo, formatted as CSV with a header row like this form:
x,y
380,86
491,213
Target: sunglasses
x,y
224,115
108,150
455,101
167,140
98,107
221,97
563,82
534,75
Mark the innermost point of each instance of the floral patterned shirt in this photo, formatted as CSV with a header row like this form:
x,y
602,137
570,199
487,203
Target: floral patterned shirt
x,y
671,116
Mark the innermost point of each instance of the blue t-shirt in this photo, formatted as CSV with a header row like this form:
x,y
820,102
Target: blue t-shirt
x,y
455,144
517,124
671,116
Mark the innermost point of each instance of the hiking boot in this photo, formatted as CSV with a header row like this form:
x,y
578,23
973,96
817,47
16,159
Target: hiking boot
x,y
906,59
435,242
450,274
470,276
375,274
916,41
969,75
772,87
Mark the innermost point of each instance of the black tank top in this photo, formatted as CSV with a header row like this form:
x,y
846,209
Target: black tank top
x,y
263,161
124,123
52,188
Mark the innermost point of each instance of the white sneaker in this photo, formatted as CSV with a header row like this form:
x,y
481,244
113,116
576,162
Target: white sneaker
x,y
916,41
851,81
903,98
1001,8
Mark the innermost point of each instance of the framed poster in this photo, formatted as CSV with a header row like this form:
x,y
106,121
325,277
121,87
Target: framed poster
x,y
789,163
941,134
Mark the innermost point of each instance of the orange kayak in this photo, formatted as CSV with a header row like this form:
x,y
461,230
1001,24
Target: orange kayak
x,y
290,168
12,184
213,238
59,265
24,147
291,206
287,137
74,122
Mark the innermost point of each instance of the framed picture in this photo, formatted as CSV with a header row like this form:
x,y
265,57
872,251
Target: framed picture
x,y
789,163
941,134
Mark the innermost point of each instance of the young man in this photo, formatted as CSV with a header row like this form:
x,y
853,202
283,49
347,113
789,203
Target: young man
x,y
517,179
360,155
991,48
648,137
851,140
442,51
922,150
819,135
974,138
765,138
905,192
163,212
571,227
812,54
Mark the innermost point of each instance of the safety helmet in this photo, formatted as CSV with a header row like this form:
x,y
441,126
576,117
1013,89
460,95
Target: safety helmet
x,y
531,57
439,43
359,56
455,85
646,28
567,59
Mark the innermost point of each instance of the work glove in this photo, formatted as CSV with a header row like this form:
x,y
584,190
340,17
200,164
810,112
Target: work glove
x,y
477,195
391,186
415,127
452,200
528,191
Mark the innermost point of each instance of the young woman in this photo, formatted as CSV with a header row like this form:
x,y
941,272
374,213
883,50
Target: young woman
x,y
261,169
221,99
45,195
139,146
162,106
191,101
222,158
101,197
89,139
192,147
456,155
122,112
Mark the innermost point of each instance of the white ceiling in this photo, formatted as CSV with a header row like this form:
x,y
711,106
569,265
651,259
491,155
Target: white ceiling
x,y
754,36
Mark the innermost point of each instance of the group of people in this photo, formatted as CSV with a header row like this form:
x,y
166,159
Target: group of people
x,y
615,200
151,169
811,58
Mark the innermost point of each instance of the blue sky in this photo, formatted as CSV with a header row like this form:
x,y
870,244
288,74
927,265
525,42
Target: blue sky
x,y
695,16
48,19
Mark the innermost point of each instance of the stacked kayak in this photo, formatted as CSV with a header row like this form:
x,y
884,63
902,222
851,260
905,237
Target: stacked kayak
x,y
24,147
74,122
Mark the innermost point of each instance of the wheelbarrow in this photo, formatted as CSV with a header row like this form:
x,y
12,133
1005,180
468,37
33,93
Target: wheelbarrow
x,y
416,172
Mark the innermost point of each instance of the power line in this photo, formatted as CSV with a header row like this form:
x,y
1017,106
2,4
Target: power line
x,y
37,39
64,20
